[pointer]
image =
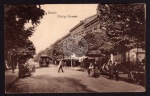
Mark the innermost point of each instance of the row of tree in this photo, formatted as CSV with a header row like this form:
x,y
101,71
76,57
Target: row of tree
x,y
16,35
124,26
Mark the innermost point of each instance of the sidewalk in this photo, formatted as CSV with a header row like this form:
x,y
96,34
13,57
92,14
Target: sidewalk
x,y
10,78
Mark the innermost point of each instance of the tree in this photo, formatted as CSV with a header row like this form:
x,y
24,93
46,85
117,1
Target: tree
x,y
125,25
37,56
15,33
58,50
98,43
54,51
28,48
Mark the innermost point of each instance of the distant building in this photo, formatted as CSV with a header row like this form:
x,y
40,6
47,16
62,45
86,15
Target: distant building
x,y
88,25
78,29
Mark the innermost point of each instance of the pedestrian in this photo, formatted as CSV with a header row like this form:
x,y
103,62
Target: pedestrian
x,y
96,74
110,69
115,70
90,68
60,65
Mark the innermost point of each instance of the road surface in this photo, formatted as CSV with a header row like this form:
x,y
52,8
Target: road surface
x,y
48,80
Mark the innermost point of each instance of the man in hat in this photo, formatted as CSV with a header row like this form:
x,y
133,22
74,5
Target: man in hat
x,y
60,65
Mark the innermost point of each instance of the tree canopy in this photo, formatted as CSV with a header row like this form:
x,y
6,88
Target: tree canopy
x,y
124,23
98,43
15,33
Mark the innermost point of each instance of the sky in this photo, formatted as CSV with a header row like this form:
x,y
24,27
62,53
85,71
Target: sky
x,y
53,26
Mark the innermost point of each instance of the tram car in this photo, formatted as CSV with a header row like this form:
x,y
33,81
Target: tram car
x,y
44,61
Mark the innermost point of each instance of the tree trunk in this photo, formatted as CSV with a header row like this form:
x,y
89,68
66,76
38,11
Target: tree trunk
x,y
124,56
71,61
116,56
137,55
129,55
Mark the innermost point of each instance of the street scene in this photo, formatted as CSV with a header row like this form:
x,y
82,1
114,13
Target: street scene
x,y
67,48
48,80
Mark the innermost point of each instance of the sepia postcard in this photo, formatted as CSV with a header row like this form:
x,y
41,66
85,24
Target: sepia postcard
x,y
75,48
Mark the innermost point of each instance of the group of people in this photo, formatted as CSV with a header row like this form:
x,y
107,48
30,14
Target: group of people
x,y
113,69
94,68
